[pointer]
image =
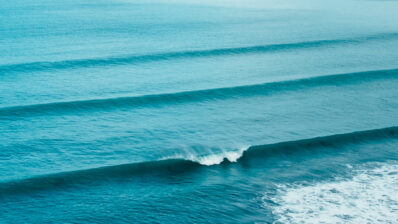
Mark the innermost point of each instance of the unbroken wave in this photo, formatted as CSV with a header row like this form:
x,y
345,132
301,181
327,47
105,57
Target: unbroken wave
x,y
136,59
57,108
170,167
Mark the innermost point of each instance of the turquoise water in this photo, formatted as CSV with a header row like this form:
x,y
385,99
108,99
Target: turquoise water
x,y
119,111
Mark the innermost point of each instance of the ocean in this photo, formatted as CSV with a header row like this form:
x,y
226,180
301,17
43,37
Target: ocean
x,y
227,111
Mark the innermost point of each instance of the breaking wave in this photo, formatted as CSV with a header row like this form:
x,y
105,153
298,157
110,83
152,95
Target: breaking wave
x,y
188,162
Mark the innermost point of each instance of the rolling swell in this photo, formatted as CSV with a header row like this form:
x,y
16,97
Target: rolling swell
x,y
57,108
136,59
169,167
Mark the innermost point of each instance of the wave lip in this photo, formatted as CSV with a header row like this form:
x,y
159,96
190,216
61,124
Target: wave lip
x,y
188,163
213,159
198,95
136,59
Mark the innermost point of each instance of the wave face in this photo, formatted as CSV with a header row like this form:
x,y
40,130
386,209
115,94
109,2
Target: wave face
x,y
179,164
185,112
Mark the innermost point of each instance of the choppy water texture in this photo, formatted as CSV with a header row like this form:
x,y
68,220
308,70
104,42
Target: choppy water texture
x,y
124,111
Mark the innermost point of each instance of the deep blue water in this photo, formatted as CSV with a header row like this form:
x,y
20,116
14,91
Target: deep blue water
x,y
138,111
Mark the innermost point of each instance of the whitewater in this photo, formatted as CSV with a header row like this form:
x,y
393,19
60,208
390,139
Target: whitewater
x,y
169,111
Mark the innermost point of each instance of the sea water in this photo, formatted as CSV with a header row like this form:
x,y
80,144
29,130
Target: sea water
x,y
138,111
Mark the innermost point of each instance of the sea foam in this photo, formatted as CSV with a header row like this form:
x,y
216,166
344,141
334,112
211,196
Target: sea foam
x,y
370,196
213,158
231,156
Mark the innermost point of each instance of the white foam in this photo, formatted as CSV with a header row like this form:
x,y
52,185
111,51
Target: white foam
x,y
214,159
371,196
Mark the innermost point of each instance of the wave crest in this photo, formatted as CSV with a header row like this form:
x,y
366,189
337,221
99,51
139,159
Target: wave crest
x,y
218,158
57,108
189,162
136,59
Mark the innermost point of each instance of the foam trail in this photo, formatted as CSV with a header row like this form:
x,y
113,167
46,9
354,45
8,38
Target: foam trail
x,y
369,197
57,108
136,59
180,164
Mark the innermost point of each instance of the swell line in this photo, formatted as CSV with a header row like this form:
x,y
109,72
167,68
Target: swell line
x,y
135,59
169,167
56,108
